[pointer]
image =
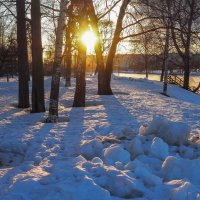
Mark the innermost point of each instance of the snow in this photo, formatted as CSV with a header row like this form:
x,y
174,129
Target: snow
x,y
135,147
173,168
159,148
116,154
174,133
91,148
136,144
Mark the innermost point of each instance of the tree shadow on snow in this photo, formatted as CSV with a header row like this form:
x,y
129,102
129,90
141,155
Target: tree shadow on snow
x,y
118,116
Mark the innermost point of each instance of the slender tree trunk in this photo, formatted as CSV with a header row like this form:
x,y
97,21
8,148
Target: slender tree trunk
x,y
69,47
79,97
146,66
186,57
23,93
109,66
186,81
55,83
112,51
165,62
69,58
38,104
146,56
75,63
162,71
98,50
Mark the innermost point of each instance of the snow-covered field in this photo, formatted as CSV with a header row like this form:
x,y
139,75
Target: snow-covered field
x,y
194,77
136,144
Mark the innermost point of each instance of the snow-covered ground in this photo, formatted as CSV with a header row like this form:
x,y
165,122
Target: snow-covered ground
x,y
136,144
194,77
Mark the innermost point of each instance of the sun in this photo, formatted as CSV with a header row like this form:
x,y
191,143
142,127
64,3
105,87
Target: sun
x,y
89,39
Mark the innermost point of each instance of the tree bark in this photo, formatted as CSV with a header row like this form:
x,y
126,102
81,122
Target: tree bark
x,y
146,58
68,58
68,65
162,72
79,97
165,61
23,89
146,65
69,47
186,81
186,22
38,104
98,50
55,83
113,48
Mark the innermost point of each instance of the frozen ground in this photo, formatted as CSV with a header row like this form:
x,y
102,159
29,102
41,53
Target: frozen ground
x,y
136,144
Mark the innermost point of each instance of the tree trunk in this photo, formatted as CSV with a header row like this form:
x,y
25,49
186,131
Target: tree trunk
x,y
79,97
69,47
55,83
112,51
68,70
146,66
69,58
162,72
98,50
165,62
146,56
38,104
186,81
23,95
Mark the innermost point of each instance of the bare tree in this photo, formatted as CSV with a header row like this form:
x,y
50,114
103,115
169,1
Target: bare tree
x,y
79,97
55,83
113,48
38,104
182,19
68,46
98,49
23,100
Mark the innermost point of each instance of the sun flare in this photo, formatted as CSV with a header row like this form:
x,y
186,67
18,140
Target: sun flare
x,y
89,39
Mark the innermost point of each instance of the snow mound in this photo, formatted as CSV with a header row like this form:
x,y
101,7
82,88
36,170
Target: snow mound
x,y
128,132
178,168
117,182
89,190
186,152
114,154
135,147
91,148
174,133
148,178
78,159
144,173
184,190
97,160
121,185
159,148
